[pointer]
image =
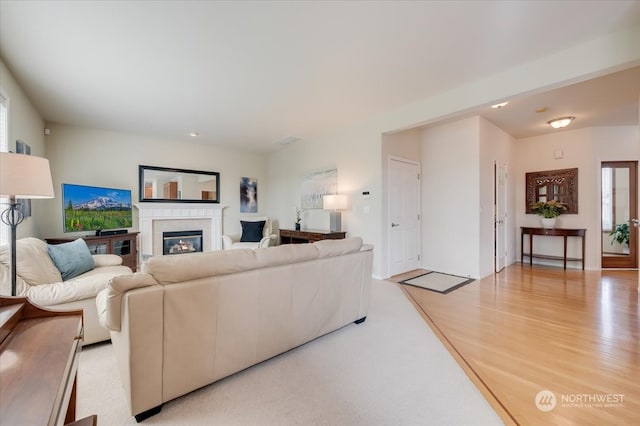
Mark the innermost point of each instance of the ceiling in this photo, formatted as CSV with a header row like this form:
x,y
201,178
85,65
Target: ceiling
x,y
249,74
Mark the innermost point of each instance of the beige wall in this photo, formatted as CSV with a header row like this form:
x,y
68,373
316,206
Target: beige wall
x,y
25,124
101,158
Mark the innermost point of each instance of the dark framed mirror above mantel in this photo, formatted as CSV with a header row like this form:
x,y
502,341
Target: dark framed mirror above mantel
x,y
560,185
170,185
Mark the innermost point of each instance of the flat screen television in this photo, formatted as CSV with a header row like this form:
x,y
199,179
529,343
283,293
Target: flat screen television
x,y
91,208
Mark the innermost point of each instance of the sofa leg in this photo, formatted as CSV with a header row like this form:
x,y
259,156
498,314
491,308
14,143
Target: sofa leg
x,y
360,321
146,414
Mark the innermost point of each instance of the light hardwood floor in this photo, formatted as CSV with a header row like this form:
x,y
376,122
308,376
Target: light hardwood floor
x,y
575,333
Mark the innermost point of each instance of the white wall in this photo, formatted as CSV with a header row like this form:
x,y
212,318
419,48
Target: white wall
x,y
451,198
357,151
102,158
356,156
496,147
112,159
25,124
584,149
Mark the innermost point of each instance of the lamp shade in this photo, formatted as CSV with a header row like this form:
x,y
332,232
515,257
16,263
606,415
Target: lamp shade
x,y
25,176
334,202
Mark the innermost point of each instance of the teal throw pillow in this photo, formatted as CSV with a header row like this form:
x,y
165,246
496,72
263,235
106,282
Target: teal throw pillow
x,y
71,259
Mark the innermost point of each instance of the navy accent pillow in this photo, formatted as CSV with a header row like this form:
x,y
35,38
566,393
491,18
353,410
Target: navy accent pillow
x,y
251,231
71,259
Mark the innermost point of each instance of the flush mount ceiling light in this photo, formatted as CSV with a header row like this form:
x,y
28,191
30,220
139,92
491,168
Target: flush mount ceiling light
x,y
194,134
498,106
558,123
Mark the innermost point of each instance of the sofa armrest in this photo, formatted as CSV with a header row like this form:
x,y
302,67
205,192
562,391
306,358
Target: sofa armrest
x,y
267,241
107,260
228,240
5,283
109,300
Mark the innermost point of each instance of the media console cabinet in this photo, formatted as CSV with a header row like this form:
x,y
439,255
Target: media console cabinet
x,y
124,245
553,232
292,236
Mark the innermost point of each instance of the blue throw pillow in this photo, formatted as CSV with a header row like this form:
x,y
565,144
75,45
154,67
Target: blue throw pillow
x,y
251,231
71,259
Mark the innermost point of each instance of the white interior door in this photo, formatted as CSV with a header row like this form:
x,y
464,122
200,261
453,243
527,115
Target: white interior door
x,y
404,216
500,215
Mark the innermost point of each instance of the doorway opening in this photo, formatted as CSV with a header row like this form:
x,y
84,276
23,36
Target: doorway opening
x,y
619,210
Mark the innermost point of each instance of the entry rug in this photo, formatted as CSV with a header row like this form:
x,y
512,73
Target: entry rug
x,y
439,282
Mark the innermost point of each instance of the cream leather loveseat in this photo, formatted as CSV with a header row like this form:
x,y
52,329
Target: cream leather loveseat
x,y
39,279
189,320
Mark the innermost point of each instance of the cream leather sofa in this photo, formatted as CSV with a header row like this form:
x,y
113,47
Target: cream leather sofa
x,y
39,280
189,320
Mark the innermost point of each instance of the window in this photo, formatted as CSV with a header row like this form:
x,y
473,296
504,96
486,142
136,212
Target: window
x,y
4,147
607,199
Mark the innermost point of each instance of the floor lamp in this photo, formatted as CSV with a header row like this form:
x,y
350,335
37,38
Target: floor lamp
x,y
21,176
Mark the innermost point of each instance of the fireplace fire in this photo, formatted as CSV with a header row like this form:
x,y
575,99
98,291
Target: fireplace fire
x,y
179,242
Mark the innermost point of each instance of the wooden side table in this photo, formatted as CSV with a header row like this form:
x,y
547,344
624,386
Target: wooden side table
x,y
39,353
292,236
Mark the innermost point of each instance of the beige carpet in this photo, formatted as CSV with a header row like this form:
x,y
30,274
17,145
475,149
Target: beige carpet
x,y
390,370
437,281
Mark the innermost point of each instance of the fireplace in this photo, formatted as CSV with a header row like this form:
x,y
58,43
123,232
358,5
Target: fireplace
x,y
180,242
157,218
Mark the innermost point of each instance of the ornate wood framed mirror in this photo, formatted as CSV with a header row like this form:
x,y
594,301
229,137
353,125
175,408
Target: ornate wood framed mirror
x,y
560,185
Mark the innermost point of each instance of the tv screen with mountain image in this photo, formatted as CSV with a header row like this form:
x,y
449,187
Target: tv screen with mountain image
x,y
89,208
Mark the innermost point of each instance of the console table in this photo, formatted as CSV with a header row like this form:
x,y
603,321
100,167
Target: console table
x,y
39,354
555,232
291,236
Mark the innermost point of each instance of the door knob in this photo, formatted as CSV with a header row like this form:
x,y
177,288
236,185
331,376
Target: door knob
x,y
635,222
393,225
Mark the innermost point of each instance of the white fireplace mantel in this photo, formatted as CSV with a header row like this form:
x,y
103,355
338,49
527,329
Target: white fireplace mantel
x,y
148,213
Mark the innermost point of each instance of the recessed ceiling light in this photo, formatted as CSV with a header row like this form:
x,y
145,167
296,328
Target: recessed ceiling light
x,y
558,123
498,106
194,134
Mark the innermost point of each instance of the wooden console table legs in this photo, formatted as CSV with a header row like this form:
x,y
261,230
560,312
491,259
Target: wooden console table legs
x,y
556,232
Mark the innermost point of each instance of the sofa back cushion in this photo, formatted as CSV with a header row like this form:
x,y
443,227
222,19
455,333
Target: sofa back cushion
x,y
192,266
331,248
284,254
33,263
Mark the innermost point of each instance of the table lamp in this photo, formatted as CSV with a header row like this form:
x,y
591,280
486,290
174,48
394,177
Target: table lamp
x,y
335,203
21,176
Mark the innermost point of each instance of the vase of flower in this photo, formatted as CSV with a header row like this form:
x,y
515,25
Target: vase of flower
x,y
298,218
548,212
548,222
